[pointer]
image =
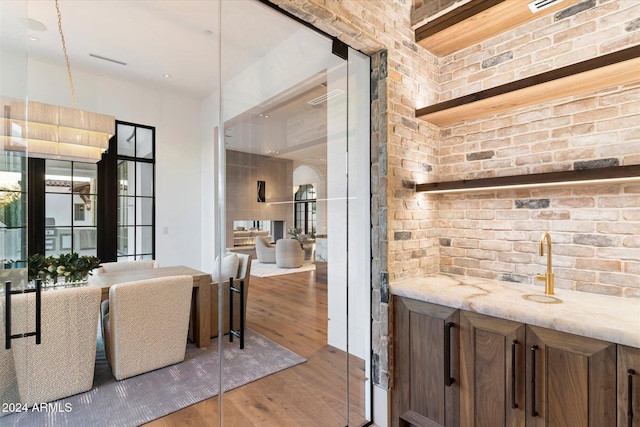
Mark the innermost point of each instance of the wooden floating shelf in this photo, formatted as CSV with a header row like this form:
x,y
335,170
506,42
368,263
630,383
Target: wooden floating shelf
x,y
476,21
612,175
613,69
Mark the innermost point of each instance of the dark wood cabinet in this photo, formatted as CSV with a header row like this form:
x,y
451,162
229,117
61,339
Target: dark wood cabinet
x,y
492,367
571,380
628,386
453,367
426,364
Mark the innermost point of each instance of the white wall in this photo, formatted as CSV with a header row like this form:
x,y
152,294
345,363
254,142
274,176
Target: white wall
x,y
209,108
177,119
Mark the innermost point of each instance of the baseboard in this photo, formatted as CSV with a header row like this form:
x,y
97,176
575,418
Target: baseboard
x,y
381,406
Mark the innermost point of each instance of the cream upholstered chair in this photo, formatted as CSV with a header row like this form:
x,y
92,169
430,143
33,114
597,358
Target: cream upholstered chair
x,y
146,323
127,265
8,381
63,363
265,251
289,253
243,273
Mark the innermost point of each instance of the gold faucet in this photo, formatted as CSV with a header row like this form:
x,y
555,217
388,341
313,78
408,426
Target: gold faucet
x,y
548,277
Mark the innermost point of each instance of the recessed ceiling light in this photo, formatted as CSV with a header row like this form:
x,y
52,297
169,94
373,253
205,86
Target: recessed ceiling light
x,y
266,116
33,38
166,76
32,24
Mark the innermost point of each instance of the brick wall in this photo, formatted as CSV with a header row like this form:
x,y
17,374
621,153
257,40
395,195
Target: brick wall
x,y
594,228
595,233
580,32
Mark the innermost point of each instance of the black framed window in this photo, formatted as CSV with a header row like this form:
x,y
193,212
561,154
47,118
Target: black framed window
x,y
105,209
63,207
13,203
134,149
305,209
70,206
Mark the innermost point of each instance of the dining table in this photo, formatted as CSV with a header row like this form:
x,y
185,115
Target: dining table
x,y
201,293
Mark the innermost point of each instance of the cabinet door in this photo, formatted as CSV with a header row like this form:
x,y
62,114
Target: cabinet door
x,y
492,367
571,380
426,388
628,386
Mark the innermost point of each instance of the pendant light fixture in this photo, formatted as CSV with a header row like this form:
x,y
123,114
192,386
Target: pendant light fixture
x,y
52,131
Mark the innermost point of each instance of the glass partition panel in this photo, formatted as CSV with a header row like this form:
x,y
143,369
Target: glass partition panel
x,y
359,240
13,213
85,240
283,161
126,140
126,178
144,179
58,209
144,211
144,240
85,176
70,207
144,146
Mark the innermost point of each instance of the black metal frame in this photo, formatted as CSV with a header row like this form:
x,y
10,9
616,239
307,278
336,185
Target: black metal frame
x,y
36,201
38,332
630,374
108,192
233,332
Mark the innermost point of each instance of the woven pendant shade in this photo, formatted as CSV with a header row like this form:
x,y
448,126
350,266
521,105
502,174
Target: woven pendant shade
x,y
54,132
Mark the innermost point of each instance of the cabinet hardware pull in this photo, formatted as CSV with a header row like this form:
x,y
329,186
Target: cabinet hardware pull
x,y
534,413
630,374
448,380
514,343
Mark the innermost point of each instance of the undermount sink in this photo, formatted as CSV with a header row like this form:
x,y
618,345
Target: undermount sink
x,y
542,299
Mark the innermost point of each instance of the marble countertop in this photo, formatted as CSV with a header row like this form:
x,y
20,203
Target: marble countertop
x,y
602,317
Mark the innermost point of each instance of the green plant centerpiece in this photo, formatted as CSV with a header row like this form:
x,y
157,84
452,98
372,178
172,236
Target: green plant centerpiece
x,y
38,267
73,267
294,233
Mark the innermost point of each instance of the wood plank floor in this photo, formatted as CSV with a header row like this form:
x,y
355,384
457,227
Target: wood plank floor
x,y
292,311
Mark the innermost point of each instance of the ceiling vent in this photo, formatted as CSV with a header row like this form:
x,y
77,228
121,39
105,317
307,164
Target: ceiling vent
x,y
325,97
104,58
538,5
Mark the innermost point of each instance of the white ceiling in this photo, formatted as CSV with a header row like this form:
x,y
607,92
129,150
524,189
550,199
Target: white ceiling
x,y
153,38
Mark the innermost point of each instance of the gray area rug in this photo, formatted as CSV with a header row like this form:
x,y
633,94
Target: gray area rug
x,y
143,398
